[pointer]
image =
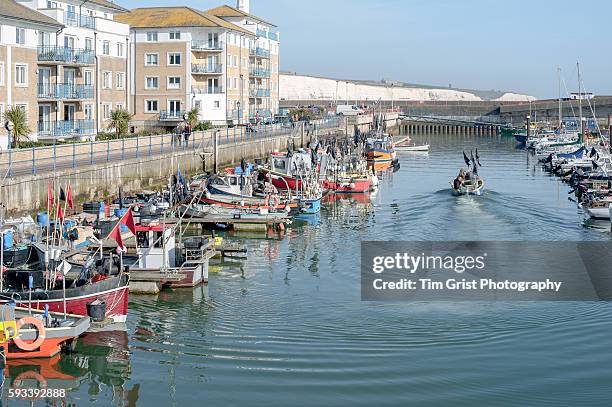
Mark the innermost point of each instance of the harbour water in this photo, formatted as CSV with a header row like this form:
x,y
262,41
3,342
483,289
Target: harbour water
x,y
287,327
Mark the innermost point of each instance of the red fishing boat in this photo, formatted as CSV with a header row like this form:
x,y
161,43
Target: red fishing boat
x,y
286,170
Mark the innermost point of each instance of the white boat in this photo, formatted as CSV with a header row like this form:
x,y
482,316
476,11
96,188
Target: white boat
x,y
422,148
470,187
598,209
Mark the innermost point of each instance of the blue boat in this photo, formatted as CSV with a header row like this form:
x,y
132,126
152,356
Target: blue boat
x,y
310,206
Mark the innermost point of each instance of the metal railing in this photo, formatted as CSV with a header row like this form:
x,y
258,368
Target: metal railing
x,y
259,72
273,35
261,113
259,52
65,128
62,156
49,53
80,20
171,115
205,68
203,45
259,92
206,90
61,91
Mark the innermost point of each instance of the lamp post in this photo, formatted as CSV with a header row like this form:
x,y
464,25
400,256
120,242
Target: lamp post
x,y
241,98
9,126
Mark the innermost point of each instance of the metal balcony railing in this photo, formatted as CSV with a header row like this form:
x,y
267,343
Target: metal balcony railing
x,y
66,128
262,33
273,35
260,72
206,69
61,91
259,52
65,55
261,113
199,45
171,115
259,92
80,20
210,90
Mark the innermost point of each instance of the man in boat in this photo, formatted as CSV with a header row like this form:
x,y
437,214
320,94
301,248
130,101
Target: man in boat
x,y
458,182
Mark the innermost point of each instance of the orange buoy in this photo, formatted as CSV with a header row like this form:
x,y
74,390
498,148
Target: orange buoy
x,y
40,328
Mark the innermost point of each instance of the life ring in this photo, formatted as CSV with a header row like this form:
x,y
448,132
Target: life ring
x,y
30,346
30,374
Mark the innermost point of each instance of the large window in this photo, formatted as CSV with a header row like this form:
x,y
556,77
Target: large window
x,y
21,75
152,36
106,110
174,82
105,47
107,80
174,58
119,49
120,80
88,44
175,35
151,59
152,82
20,36
151,106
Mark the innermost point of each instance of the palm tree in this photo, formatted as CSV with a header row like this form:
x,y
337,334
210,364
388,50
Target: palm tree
x,y
193,117
120,121
19,118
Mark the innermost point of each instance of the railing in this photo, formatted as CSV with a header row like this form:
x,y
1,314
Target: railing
x,y
49,159
259,52
205,68
273,35
171,115
56,91
259,92
199,45
262,33
80,20
67,128
206,90
261,113
260,73
66,55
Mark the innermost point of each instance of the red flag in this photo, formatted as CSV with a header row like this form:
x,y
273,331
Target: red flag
x,y
69,200
60,212
128,220
49,197
115,234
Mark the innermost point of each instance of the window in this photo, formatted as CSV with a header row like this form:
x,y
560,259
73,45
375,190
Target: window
x,y
88,78
151,59
1,76
88,112
19,36
106,110
22,106
44,39
217,104
175,35
119,106
152,36
174,82
21,75
120,80
107,80
235,61
51,4
151,82
105,47
119,49
235,83
174,58
151,106
88,44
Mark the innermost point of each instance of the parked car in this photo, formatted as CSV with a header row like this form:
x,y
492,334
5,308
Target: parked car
x,y
348,110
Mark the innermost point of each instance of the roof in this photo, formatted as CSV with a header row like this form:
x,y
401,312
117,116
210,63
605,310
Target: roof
x,y
108,4
166,17
229,11
13,10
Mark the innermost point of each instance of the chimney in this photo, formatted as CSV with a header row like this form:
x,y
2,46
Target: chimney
x,y
243,5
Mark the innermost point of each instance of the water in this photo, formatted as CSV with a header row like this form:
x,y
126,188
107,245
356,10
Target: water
x,y
287,325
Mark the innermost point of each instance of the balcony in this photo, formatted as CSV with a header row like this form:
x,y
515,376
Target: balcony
x,y
260,113
60,91
259,52
207,90
260,73
212,46
80,20
262,33
273,36
171,115
65,55
204,69
259,92
66,128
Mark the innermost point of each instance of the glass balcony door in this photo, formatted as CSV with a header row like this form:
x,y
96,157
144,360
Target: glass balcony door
x,y
174,108
213,85
44,118
44,82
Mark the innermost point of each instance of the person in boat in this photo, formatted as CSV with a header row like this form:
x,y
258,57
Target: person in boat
x,y
458,182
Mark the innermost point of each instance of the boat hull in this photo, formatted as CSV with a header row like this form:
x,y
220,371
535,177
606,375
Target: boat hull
x,y
352,186
380,156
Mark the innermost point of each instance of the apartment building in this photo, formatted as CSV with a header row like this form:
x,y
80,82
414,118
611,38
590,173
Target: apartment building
x,y
185,58
67,62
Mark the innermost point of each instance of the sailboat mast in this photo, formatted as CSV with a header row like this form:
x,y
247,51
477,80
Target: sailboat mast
x,y
559,88
580,100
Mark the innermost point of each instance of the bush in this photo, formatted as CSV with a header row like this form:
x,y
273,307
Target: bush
x,y
202,126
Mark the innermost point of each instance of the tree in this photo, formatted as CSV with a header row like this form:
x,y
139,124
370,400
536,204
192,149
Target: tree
x,y
120,121
19,118
193,117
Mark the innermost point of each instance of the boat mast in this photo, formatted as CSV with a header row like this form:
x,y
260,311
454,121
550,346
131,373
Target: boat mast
x,y
559,88
580,101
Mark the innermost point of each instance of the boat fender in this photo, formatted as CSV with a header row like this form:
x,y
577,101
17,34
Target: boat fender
x,y
40,328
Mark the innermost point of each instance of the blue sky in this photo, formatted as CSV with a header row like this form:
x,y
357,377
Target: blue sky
x,y
504,45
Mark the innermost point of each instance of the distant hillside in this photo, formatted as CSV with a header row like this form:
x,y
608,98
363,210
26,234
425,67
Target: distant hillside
x,y
303,87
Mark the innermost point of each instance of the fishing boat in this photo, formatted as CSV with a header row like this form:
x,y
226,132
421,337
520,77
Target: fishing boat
x,y
468,182
215,212
414,148
380,150
286,170
28,333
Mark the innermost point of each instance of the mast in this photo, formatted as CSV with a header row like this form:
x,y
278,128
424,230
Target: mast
x,y
559,88
580,101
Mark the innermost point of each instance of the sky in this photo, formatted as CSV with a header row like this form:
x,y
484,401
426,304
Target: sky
x,y
514,45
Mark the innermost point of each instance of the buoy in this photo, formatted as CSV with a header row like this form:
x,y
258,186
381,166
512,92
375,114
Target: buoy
x,y
40,328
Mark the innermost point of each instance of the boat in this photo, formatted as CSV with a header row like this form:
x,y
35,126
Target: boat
x,y
214,213
380,150
421,148
286,170
468,182
474,186
29,333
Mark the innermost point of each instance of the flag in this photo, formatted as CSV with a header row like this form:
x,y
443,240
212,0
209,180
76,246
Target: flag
x,y
69,199
60,213
128,220
478,158
50,199
466,159
115,234
62,194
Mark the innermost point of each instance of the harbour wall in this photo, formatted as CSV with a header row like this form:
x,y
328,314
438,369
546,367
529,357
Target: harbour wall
x,y
27,194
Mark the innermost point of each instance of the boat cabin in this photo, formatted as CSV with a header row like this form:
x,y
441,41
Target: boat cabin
x,y
298,163
156,246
